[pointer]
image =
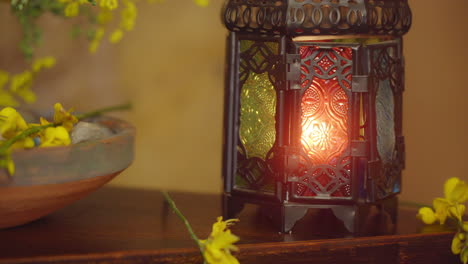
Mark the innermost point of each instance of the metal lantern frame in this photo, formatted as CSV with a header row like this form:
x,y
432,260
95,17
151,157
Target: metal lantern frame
x,y
287,40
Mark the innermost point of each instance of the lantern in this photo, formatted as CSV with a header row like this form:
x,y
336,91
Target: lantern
x,y
313,107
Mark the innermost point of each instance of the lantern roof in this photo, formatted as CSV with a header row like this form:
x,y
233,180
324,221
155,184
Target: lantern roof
x,y
318,17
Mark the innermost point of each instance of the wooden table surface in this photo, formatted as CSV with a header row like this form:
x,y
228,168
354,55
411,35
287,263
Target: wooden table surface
x,y
123,225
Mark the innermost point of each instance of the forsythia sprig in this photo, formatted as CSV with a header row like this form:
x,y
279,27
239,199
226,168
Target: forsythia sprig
x,y
100,13
451,206
15,133
20,84
217,248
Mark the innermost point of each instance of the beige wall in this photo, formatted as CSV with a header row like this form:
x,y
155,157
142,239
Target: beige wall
x,y
171,68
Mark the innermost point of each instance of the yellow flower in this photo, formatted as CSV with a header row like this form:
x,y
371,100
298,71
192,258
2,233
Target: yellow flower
x,y
128,16
11,122
116,36
93,46
104,16
455,192
464,255
110,4
55,136
63,117
427,215
217,248
4,77
7,163
21,86
202,2
72,9
457,244
43,63
6,99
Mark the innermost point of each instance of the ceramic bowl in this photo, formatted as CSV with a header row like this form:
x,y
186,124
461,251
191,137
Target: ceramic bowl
x,y
47,179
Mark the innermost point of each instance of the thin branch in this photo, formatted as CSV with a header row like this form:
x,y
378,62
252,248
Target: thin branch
x,y
26,133
101,111
184,220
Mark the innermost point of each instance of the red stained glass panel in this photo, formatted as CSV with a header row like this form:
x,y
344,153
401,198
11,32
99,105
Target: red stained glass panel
x,y
325,119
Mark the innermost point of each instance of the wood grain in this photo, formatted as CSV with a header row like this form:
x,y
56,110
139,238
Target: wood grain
x,y
119,225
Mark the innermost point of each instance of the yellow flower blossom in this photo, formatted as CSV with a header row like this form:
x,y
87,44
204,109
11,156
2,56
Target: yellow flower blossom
x,y
43,63
11,122
464,255
6,98
202,3
55,136
457,244
72,9
20,85
116,36
63,117
104,16
4,77
455,192
217,248
465,226
7,163
110,4
98,35
427,215
128,16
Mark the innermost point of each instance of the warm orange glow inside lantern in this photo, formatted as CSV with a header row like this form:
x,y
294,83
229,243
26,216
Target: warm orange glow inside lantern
x,y
313,106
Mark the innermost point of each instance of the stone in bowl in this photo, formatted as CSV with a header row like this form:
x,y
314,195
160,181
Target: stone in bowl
x,y
47,179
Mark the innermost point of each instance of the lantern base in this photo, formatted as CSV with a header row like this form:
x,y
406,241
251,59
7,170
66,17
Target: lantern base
x,y
377,218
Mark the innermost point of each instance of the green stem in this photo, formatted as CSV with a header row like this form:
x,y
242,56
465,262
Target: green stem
x,y
101,111
184,220
26,133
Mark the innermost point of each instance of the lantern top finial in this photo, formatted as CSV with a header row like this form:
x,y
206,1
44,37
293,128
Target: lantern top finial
x,y
318,17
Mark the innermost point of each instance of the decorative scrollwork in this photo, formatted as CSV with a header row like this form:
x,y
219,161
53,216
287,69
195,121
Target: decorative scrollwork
x,y
259,57
318,17
258,16
332,180
254,173
325,17
326,64
387,17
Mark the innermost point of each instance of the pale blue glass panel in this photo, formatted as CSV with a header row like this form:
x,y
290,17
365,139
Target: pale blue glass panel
x,y
385,114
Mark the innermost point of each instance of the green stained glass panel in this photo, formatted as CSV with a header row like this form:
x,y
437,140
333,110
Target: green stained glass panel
x,y
257,132
257,115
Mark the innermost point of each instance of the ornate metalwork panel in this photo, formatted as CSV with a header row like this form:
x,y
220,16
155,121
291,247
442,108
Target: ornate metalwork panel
x,y
326,17
257,132
318,17
258,16
326,75
387,83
